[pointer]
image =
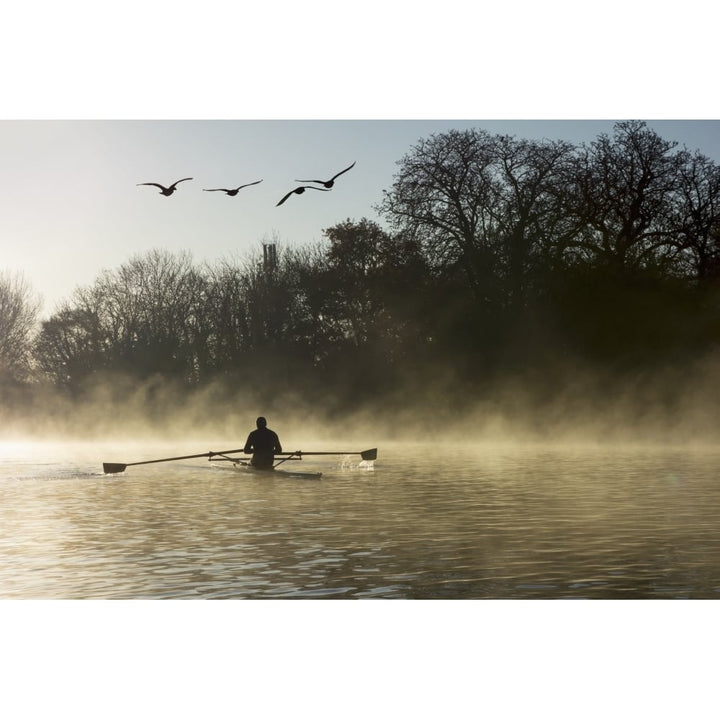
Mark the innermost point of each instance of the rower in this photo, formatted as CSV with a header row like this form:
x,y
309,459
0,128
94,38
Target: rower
x,y
263,443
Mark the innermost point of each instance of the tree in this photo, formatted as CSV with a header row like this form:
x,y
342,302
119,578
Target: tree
x,y
443,197
622,193
225,315
353,262
19,308
251,313
374,291
698,217
490,205
528,217
142,319
71,346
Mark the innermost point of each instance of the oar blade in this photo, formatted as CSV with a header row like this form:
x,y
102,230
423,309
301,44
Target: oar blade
x,y
369,454
112,468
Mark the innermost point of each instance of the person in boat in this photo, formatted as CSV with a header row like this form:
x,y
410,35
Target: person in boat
x,y
263,443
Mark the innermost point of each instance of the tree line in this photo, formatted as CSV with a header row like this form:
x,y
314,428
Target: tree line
x,y
499,256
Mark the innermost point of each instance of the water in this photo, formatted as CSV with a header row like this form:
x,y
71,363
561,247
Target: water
x,y
470,523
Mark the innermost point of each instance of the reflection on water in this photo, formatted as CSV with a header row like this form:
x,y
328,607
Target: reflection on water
x,y
482,522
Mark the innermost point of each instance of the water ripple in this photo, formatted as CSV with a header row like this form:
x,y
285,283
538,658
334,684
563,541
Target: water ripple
x,y
488,523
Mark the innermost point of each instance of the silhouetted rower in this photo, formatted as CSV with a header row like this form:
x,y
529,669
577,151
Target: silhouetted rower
x,y
263,443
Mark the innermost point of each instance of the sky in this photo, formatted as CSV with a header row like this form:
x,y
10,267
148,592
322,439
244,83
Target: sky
x,y
71,206
95,101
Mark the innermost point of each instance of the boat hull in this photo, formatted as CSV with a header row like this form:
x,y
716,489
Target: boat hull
x,y
250,470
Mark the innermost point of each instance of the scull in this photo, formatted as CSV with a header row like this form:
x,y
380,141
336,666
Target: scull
x,y
113,468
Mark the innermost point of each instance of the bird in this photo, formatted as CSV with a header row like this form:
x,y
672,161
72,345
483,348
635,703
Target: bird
x,y
329,183
300,191
166,190
232,193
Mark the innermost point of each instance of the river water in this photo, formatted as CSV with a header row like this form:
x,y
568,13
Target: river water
x,y
478,522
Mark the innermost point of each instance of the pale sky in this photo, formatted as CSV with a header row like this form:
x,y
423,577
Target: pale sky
x,y
87,92
70,205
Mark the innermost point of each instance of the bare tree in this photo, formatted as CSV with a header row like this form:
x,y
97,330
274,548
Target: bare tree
x,y
623,191
143,319
225,316
71,346
487,204
19,308
528,215
444,195
698,216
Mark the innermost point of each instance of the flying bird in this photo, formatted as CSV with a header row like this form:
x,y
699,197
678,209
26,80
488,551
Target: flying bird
x,y
329,183
232,193
166,190
300,191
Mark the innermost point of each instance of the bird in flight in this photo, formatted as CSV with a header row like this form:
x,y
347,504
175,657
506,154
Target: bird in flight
x,y
166,190
300,191
329,183
232,193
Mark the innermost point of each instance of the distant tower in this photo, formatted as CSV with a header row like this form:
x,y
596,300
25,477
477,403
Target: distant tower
x,y
269,257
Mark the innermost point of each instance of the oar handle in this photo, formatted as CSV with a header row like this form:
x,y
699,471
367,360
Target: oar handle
x,y
186,457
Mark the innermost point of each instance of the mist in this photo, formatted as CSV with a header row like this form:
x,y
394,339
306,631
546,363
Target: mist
x,y
572,405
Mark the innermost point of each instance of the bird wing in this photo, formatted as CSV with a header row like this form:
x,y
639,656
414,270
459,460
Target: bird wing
x,y
162,187
343,171
285,198
249,184
215,190
322,182
179,181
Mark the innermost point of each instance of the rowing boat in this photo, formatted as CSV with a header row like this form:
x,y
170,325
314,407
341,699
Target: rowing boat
x,y
366,455
270,472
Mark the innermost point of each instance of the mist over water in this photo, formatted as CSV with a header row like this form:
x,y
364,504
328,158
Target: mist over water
x,y
568,404
579,489
462,522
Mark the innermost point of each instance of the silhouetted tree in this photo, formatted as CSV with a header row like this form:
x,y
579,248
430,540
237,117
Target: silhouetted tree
x,y
622,194
225,315
374,288
254,321
19,308
71,346
528,213
142,320
444,196
354,262
491,205
698,217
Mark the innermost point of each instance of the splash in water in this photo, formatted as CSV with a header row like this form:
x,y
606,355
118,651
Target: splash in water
x,y
349,462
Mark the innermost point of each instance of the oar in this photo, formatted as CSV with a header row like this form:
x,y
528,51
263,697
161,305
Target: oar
x,y
365,454
111,468
120,467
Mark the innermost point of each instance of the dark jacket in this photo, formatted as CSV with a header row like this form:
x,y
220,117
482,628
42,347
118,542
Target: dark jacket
x,y
263,443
